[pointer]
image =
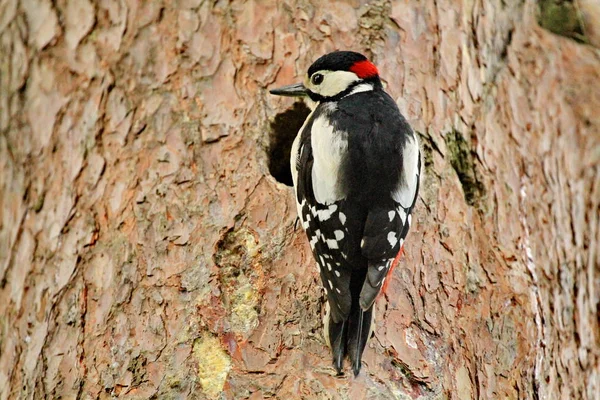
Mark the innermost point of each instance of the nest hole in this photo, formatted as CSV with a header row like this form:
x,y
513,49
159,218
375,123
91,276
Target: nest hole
x,y
284,129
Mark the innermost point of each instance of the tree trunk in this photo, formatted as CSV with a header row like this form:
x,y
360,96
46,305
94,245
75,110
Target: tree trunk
x,y
147,238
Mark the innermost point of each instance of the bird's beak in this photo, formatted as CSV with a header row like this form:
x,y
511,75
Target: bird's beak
x,y
294,90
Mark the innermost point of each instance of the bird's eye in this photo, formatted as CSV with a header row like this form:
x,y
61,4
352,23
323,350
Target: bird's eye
x,y
317,79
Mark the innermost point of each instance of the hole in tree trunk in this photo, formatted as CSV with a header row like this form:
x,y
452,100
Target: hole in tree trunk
x,y
284,129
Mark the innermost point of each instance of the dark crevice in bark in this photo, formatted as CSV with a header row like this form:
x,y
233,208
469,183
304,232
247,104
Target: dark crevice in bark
x,y
462,161
563,18
284,128
428,147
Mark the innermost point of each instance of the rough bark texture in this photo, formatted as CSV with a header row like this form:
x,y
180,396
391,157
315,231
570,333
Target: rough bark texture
x,y
145,249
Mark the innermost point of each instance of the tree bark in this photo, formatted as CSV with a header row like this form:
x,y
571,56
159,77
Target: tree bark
x,y
147,250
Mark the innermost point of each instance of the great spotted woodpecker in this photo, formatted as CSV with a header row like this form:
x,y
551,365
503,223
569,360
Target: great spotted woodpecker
x,y
355,166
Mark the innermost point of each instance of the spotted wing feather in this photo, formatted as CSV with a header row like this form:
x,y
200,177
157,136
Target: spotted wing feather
x,y
327,239
325,225
386,226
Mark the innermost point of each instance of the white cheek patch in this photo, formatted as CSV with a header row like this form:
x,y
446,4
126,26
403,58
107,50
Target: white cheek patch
x,y
334,82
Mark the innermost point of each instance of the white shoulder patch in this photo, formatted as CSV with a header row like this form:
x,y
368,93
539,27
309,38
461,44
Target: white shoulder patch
x,y
329,147
406,190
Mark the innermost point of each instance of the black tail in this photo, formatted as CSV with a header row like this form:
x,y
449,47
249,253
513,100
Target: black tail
x,y
350,335
359,330
337,341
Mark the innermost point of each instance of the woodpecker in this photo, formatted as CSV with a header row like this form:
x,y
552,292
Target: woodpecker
x,y
355,166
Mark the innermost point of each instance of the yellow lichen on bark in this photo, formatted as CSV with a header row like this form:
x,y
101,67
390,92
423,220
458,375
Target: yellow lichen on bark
x,y
213,364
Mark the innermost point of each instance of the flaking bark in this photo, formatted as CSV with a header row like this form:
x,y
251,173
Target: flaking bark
x,y
147,250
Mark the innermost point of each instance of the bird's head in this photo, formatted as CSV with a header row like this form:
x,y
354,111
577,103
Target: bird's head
x,y
333,76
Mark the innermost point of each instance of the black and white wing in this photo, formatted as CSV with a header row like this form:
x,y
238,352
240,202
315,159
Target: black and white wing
x,y
318,150
388,223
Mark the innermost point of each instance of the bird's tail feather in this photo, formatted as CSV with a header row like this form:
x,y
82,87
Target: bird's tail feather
x,y
337,340
349,336
359,330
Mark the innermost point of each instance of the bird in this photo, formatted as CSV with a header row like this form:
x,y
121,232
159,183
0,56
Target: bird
x,y
356,166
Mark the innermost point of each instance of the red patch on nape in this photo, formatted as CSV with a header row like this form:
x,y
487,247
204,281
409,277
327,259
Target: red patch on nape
x,y
364,69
